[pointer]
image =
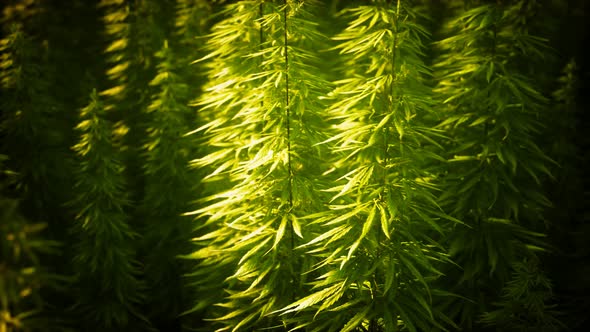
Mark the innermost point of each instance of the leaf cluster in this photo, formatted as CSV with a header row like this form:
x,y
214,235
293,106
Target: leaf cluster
x,y
377,256
524,305
169,186
263,118
22,273
104,247
492,111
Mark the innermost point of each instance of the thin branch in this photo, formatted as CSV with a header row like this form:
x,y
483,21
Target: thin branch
x,y
287,109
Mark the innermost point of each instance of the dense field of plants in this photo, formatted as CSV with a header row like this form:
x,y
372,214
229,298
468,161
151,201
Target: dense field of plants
x,y
294,165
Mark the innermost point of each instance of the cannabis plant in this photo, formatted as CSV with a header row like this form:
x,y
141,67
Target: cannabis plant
x,y
107,288
262,119
565,96
117,31
134,32
374,242
169,186
22,274
570,233
524,302
32,126
495,167
192,19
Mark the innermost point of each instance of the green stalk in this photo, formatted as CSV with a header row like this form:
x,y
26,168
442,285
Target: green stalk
x,y
395,18
288,115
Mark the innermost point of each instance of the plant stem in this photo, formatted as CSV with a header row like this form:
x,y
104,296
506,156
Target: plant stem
x,y
287,109
288,123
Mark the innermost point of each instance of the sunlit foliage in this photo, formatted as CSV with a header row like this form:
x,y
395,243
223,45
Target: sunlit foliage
x,y
376,249
263,118
293,165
